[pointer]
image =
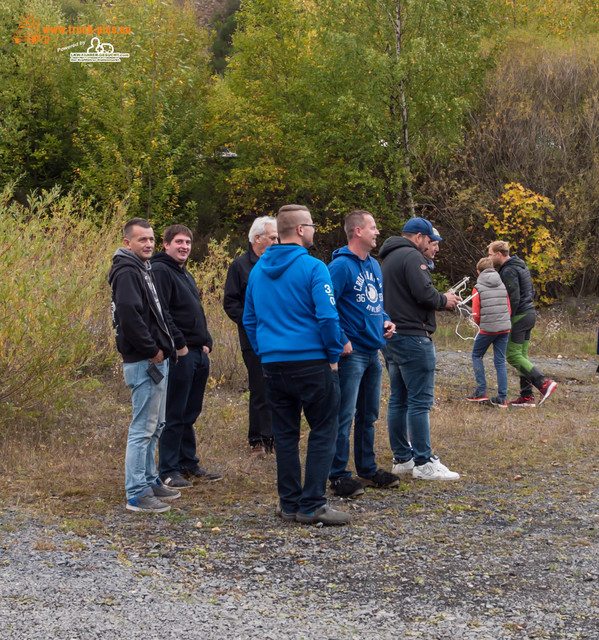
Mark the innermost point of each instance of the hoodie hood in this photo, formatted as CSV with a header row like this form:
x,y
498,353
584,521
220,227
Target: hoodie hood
x,y
395,242
164,258
279,257
126,258
490,278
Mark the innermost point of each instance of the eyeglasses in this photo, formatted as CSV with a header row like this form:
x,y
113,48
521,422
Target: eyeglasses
x,y
307,224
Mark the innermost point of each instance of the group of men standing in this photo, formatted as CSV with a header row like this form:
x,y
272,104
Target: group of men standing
x,y
310,338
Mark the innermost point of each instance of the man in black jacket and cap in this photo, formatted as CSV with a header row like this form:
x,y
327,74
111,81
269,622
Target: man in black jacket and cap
x,y
262,234
178,460
144,337
411,301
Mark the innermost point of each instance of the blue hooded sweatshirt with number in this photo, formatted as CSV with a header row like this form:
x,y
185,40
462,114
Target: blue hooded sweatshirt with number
x,y
290,313
358,286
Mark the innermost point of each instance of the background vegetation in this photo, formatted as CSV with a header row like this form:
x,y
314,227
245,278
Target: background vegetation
x,y
444,109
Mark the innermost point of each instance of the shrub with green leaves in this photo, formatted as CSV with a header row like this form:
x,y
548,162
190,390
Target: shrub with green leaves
x,y
55,332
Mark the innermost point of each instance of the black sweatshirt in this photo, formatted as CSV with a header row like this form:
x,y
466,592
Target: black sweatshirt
x,y
179,291
141,323
408,291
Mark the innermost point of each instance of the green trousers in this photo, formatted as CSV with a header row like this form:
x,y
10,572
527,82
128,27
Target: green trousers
x,y
517,353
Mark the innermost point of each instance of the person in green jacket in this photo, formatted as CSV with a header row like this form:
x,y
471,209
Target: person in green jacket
x,y
517,280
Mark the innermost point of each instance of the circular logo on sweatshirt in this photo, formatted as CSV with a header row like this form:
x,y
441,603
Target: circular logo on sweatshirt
x,y
372,293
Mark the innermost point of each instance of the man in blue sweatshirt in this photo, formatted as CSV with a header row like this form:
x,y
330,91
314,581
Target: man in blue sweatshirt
x,y
291,321
358,284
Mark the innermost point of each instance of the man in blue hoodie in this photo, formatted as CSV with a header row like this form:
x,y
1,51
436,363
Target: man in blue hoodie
x,y
291,321
358,284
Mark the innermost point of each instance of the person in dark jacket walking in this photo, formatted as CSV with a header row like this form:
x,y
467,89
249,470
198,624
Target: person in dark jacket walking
x,y
517,280
144,337
491,312
410,301
262,234
178,460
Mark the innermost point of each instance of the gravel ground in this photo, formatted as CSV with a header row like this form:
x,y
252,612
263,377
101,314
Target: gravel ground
x,y
458,561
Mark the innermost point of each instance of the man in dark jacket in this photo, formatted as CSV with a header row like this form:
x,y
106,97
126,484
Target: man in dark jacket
x,y
144,337
262,234
518,282
178,461
410,301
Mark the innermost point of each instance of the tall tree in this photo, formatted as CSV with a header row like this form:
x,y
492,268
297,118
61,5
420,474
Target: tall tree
x,y
339,103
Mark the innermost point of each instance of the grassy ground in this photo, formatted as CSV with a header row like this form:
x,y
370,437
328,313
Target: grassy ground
x,y
73,467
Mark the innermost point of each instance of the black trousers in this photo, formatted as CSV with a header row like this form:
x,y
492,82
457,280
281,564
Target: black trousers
x,y
260,430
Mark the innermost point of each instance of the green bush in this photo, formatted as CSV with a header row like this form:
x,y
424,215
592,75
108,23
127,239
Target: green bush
x,y
55,330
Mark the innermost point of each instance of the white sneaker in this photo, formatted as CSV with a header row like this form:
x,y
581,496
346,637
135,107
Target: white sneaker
x,y
434,470
402,468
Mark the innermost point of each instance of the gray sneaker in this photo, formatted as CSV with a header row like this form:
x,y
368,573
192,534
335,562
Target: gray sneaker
x,y
164,493
325,515
286,517
148,504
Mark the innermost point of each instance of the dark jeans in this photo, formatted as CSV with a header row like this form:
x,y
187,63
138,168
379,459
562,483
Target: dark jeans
x,y
315,389
184,398
260,430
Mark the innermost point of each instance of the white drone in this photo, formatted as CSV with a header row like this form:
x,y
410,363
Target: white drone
x,y
464,312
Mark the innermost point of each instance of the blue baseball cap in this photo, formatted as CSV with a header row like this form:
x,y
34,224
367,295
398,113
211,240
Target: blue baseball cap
x,y
420,225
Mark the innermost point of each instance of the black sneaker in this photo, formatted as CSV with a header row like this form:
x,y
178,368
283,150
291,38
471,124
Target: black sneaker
x,y
346,487
175,479
380,480
200,472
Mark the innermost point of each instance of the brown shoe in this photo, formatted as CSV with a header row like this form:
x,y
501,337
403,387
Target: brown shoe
x,y
258,451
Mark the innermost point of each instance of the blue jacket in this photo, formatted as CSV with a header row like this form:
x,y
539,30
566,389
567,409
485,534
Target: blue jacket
x,y
358,286
290,313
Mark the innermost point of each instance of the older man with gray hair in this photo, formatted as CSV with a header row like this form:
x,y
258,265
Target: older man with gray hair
x,y
262,234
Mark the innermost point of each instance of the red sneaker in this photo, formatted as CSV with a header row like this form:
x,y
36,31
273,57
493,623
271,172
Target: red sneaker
x,y
523,402
475,398
547,389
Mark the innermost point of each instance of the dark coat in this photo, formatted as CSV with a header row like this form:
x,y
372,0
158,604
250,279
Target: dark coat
x,y
408,291
518,282
141,324
235,286
179,291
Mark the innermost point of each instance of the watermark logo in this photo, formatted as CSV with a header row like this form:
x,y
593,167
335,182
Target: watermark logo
x,y
98,52
29,32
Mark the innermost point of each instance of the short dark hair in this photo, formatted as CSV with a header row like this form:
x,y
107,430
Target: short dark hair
x,y
135,222
174,230
288,218
353,220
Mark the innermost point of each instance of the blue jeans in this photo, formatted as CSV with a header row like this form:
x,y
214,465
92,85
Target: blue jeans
x,y
410,362
482,342
186,384
315,388
149,402
360,388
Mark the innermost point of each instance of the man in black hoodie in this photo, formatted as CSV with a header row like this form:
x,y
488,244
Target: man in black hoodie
x,y
410,301
144,337
178,460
